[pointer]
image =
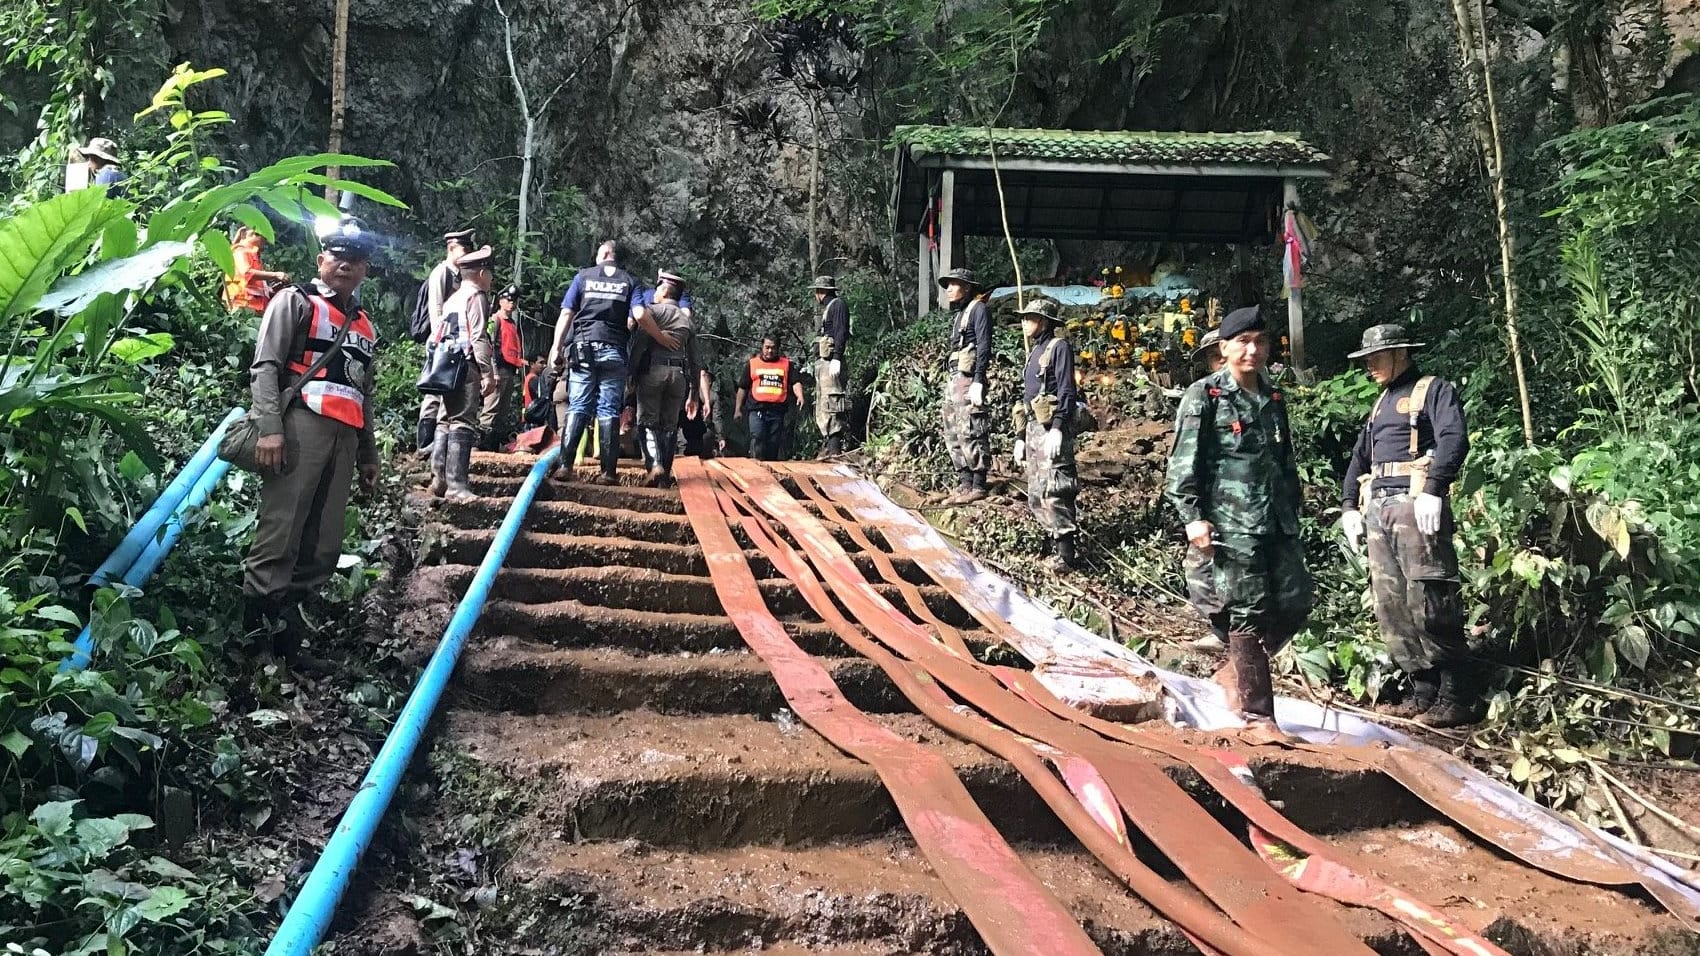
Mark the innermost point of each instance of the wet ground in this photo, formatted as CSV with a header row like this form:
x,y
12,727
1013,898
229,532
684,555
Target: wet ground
x,y
645,789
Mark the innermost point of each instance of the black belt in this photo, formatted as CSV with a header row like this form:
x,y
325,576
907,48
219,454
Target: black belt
x,y
1388,492
670,362
769,407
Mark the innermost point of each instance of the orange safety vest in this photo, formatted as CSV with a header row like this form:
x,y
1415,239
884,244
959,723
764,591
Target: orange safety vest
x,y
244,288
769,381
338,390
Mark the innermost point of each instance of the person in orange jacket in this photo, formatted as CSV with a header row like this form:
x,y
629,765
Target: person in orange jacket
x,y
250,286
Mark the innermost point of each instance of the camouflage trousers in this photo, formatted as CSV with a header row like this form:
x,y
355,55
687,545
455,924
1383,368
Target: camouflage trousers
x,y
967,429
1051,485
1414,580
832,400
1261,584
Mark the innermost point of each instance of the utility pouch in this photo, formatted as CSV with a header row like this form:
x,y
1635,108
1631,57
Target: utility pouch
x,y
1045,409
823,346
965,360
1419,474
579,354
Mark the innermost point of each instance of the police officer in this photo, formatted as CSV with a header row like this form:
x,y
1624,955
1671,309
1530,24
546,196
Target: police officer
x,y
1200,576
666,378
1234,482
967,428
310,450
1047,414
832,393
501,408
464,327
1397,485
439,285
771,385
591,336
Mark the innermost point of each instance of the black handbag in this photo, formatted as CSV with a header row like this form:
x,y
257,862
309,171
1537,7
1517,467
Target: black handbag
x,y
445,367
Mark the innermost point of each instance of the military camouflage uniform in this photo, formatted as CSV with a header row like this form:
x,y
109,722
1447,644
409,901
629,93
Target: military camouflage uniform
x,y
1232,465
967,427
1052,486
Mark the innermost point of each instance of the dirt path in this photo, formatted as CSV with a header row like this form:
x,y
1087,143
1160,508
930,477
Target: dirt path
x,y
615,773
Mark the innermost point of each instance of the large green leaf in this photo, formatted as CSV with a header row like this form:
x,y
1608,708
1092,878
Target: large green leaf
x,y
191,216
115,276
40,243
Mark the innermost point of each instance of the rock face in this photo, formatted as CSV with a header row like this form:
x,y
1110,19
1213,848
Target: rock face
x,y
688,129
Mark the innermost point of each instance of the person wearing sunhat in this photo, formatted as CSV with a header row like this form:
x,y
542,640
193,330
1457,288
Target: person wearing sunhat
x,y
1209,351
1045,423
105,168
439,285
832,392
1200,576
1409,453
665,377
465,326
967,427
501,408
1233,480
311,448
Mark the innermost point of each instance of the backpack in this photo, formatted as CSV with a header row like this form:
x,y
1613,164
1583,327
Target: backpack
x,y
419,327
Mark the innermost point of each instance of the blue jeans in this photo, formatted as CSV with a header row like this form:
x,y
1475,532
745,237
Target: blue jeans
x,y
767,432
605,380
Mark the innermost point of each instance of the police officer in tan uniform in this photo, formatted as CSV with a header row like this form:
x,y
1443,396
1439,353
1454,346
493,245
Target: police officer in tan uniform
x,y
465,327
309,451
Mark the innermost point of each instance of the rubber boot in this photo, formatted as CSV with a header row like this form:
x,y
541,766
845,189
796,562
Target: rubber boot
x,y
1425,687
439,462
669,451
652,456
289,641
459,464
964,481
1250,663
608,442
1454,704
977,490
1064,555
834,446
426,434
572,433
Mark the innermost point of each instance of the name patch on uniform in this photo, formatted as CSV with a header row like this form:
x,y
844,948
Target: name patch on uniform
x,y
1403,406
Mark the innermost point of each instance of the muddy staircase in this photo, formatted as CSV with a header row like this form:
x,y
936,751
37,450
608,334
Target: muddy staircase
x,y
669,802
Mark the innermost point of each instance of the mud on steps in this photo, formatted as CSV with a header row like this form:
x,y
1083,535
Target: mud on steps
x,y
635,785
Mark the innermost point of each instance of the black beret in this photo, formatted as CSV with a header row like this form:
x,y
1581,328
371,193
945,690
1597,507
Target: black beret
x,y
1248,319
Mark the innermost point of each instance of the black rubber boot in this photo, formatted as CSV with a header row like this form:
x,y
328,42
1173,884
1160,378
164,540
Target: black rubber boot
x,y
608,438
835,445
426,431
458,465
439,463
1250,663
570,437
669,451
1064,555
1425,687
652,456
1455,702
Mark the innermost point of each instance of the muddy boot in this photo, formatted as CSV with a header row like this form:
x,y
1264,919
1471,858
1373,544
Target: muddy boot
x,y
669,451
425,435
439,463
287,643
1425,686
652,455
1454,704
1250,663
964,482
608,442
458,462
571,434
1064,556
977,490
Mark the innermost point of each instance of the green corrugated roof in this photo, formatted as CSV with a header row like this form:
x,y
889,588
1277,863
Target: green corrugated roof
x,y
1112,146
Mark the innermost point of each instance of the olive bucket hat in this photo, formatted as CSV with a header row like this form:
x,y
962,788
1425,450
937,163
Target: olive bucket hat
x,y
964,276
1211,340
825,284
1044,309
1380,338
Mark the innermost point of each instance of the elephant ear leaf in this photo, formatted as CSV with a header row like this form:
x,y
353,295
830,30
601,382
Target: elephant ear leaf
x,y
41,243
114,276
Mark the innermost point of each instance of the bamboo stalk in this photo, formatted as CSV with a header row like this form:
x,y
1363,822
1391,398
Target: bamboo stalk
x,y
1682,826
339,95
1623,823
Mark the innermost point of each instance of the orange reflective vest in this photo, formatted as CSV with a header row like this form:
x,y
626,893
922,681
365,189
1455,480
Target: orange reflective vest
x,y
769,381
338,390
244,289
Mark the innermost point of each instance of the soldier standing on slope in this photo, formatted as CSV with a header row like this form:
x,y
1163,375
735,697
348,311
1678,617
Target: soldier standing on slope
x,y
967,428
832,392
1200,577
1407,456
1047,413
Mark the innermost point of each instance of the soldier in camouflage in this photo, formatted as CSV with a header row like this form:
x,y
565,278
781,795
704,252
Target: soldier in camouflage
x,y
1233,480
967,428
1200,575
1397,488
1045,419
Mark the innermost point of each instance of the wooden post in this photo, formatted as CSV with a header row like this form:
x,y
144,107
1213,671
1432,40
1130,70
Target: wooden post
x,y
948,251
924,275
339,93
1295,297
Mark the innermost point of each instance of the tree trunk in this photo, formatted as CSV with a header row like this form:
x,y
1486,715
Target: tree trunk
x,y
528,149
814,189
339,93
1473,47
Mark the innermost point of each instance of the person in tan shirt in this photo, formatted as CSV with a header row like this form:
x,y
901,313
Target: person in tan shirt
x,y
466,316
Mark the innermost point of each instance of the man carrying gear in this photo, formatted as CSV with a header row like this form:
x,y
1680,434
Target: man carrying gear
x,y
771,386
1404,463
1234,482
310,450
464,327
1200,576
832,392
666,377
1047,413
967,428
496,419
439,285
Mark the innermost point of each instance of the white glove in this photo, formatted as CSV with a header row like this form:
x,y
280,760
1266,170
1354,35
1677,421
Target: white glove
x,y
1352,526
1020,451
977,394
1198,534
834,367
1427,509
1053,444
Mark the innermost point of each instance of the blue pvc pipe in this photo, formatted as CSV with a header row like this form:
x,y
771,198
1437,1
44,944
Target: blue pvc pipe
x,y
162,509
310,915
144,566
